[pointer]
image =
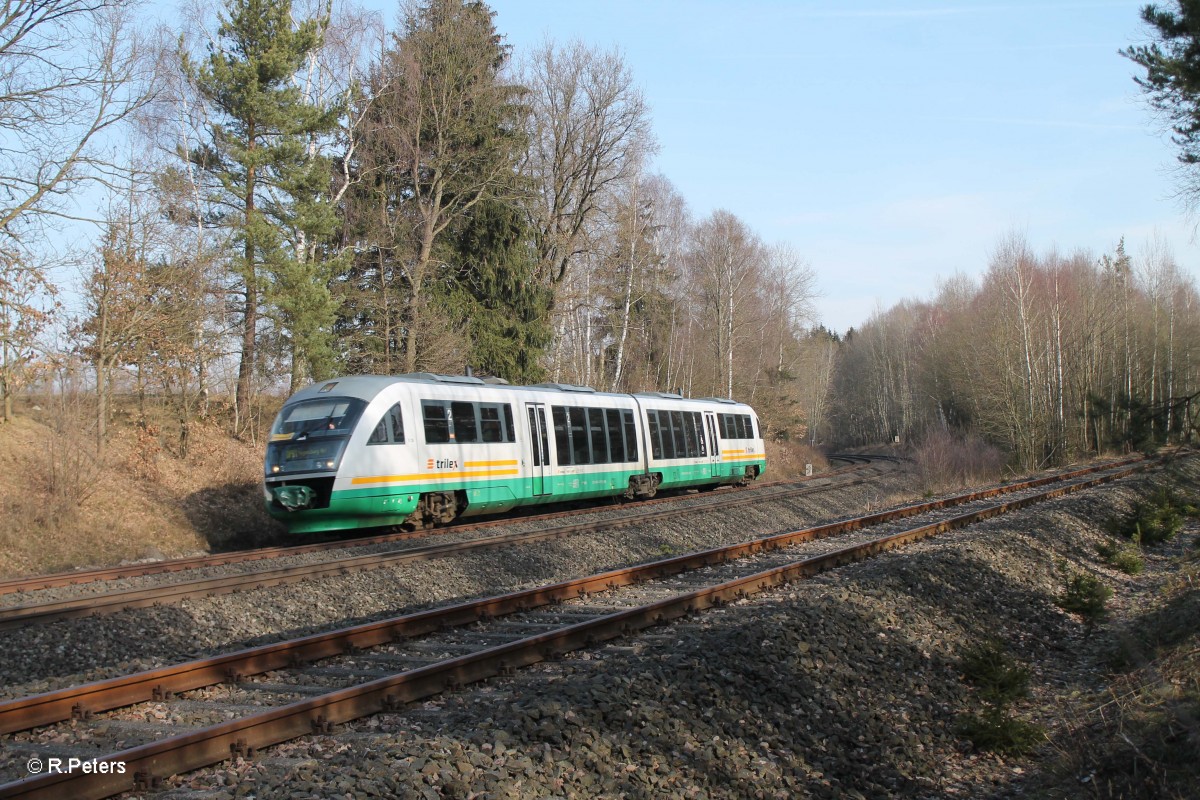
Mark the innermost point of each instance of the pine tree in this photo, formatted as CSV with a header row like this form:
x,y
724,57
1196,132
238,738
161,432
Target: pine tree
x,y
493,292
269,178
441,136
1172,77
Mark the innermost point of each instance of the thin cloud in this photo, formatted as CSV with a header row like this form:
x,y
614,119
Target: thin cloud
x,y
1040,123
901,13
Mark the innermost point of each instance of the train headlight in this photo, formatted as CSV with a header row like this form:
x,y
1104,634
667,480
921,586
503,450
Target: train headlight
x,y
274,468
331,464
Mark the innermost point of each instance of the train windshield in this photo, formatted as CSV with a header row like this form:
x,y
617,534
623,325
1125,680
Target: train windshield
x,y
327,416
311,435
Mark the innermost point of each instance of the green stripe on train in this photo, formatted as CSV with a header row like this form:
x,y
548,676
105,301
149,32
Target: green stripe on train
x,y
392,504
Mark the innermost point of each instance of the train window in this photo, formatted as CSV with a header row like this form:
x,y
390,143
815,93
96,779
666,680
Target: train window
x,y
752,428
436,416
724,425
668,434
616,442
631,442
689,432
390,428
744,426
677,432
491,428
462,415
562,440
541,449
597,436
698,432
652,431
318,417
506,411
580,452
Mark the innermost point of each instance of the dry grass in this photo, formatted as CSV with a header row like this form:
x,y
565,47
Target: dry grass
x,y
67,504
786,460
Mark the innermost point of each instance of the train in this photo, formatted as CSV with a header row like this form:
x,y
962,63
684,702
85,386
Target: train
x,y
419,450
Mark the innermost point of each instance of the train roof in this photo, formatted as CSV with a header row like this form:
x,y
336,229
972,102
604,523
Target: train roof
x,y
366,387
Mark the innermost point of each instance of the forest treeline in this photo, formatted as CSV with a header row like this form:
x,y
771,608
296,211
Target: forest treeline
x,y
1050,357
293,191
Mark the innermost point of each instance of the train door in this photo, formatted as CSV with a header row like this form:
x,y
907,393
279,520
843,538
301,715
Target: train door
x,y
539,447
714,446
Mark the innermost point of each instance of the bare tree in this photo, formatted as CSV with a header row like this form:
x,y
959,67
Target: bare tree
x,y
589,129
67,76
726,258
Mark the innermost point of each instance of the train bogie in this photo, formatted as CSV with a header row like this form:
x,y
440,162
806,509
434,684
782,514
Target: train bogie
x,y
419,450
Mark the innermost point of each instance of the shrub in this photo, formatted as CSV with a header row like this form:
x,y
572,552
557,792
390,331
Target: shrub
x,y
1128,561
947,461
994,672
999,681
996,731
1155,519
1084,594
1127,558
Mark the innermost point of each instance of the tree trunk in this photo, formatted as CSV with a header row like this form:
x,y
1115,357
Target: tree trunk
x,y
250,312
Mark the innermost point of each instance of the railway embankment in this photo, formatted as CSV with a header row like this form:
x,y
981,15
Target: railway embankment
x,y
67,505
848,684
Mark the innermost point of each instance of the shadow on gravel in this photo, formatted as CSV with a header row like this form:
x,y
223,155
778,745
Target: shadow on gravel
x,y
794,699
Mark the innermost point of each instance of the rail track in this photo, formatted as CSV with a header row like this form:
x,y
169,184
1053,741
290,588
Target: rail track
x,y
40,611
318,681
142,569
862,458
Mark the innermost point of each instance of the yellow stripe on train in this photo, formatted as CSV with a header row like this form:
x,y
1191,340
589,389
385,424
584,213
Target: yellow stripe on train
x,y
435,476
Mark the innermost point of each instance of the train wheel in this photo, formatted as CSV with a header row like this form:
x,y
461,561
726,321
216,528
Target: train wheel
x,y
437,508
643,486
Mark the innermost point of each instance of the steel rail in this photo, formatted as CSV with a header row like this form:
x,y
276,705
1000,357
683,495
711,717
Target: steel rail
x,y
145,764
56,706
121,600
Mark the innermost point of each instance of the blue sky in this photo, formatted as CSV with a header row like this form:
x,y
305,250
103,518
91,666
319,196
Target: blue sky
x,y
892,143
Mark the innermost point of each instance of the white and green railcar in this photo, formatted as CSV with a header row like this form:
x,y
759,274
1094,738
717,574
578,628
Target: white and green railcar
x,y
422,449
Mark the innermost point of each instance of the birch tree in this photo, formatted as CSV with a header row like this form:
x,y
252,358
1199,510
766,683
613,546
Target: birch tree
x,y
724,257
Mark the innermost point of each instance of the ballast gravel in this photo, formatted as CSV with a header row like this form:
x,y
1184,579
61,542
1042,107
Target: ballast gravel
x,y
844,685
68,652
